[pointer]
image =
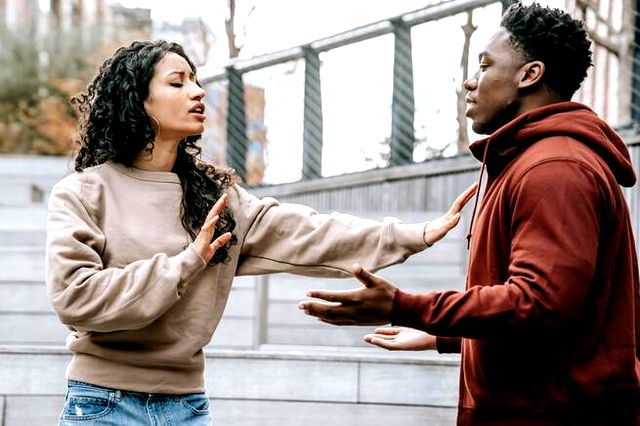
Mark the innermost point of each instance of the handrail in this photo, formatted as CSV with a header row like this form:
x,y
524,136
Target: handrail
x,y
365,32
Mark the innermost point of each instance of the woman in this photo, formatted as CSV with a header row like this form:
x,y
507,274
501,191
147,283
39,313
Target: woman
x,y
131,268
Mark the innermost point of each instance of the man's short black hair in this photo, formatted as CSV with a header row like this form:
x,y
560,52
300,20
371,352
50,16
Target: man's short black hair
x,y
554,38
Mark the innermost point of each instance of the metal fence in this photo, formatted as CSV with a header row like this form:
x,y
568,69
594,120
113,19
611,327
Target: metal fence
x,y
389,93
367,98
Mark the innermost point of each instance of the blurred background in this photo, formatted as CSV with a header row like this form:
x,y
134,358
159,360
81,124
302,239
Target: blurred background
x,y
352,106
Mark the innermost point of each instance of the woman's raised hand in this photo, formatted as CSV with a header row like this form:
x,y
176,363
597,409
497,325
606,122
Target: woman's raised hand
x,y
436,229
203,245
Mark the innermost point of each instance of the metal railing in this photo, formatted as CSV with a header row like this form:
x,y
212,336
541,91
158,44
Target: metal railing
x,y
401,137
613,84
612,88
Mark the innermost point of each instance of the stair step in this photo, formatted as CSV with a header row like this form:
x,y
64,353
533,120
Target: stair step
x,y
287,384
25,237
19,217
21,264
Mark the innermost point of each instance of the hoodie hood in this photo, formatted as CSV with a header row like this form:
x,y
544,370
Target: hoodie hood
x,y
569,119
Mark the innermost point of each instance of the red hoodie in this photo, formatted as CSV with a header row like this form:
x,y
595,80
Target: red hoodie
x,y
549,324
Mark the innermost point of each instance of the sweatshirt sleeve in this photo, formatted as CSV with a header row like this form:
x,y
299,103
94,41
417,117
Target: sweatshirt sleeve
x,y
296,239
89,297
555,229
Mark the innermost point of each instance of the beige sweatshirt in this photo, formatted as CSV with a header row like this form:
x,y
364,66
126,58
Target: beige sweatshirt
x,y
139,300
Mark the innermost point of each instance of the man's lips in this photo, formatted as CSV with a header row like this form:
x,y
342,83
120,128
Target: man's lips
x,y
470,106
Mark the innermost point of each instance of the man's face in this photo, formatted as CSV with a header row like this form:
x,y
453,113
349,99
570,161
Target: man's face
x,y
493,97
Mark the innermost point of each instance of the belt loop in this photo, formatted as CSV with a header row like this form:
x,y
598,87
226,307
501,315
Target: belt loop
x,y
118,395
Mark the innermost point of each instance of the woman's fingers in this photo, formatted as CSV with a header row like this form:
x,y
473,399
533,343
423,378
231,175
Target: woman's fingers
x,y
209,228
463,198
218,206
220,241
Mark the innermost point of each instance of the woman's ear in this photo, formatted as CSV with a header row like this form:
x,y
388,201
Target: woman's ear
x,y
531,74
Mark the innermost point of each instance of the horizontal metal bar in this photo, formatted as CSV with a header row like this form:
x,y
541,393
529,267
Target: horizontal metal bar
x,y
353,36
443,10
376,29
251,64
445,166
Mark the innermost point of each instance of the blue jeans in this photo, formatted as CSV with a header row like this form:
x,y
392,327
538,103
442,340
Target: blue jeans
x,y
86,404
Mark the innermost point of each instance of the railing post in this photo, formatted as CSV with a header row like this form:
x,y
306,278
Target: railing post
x,y
261,311
506,4
635,68
312,134
403,106
236,123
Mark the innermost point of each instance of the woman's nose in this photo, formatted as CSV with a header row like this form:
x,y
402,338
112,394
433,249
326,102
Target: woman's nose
x,y
198,92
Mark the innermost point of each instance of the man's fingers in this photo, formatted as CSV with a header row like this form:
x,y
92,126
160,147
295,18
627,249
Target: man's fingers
x,y
391,331
385,344
315,308
340,296
336,322
383,336
364,276
332,313
463,198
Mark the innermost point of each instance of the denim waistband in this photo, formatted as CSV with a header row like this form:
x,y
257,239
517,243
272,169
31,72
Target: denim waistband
x,y
77,383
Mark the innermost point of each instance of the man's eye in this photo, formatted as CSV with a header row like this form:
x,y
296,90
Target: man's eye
x,y
483,67
176,84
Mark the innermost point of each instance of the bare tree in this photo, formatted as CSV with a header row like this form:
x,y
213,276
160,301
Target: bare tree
x,y
3,15
230,27
463,136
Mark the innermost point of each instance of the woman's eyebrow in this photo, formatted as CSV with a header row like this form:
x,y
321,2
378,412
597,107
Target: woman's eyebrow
x,y
182,74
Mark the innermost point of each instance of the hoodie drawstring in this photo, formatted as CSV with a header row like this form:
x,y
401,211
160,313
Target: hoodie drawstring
x,y
475,204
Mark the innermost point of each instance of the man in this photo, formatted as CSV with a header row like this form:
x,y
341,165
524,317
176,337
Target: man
x,y
549,324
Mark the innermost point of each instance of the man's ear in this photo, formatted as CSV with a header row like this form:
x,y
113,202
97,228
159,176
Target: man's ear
x,y
530,74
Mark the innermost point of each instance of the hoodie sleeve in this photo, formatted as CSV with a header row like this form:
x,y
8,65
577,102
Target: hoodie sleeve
x,y
296,239
89,297
555,230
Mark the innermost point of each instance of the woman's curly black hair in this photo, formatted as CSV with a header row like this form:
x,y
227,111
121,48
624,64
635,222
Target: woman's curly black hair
x,y
554,38
114,126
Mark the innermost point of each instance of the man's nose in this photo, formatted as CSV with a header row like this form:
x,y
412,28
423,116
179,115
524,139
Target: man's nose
x,y
470,83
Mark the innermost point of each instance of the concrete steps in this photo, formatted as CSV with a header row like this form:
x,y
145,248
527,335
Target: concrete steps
x,y
251,388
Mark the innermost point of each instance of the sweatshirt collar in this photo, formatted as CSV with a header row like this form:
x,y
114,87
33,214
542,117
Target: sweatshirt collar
x,y
145,175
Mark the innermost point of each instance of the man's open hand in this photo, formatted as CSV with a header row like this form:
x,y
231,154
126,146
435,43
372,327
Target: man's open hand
x,y
369,305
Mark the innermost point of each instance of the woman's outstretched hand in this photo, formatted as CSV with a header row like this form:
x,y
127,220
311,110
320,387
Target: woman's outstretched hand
x,y
401,339
436,229
203,245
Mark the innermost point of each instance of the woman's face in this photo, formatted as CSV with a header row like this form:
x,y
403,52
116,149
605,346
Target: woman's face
x,y
175,99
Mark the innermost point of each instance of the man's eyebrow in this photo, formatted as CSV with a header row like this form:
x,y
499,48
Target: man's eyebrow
x,y
482,54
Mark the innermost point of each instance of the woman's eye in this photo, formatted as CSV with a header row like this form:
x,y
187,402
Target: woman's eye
x,y
176,84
